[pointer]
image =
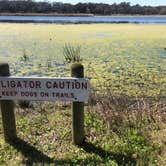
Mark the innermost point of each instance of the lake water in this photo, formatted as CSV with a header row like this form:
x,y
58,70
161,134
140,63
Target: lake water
x,y
92,19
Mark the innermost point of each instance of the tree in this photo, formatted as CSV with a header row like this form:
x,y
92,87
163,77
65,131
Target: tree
x,y
30,6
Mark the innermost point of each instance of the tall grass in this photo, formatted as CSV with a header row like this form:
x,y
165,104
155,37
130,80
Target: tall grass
x,y
130,122
71,53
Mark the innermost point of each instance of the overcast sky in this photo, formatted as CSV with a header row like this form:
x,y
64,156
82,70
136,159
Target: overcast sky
x,y
133,2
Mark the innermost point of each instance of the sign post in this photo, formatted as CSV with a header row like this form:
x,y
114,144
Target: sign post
x,y
75,89
7,110
78,136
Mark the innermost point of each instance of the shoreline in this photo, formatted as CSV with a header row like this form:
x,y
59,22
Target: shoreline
x,y
67,22
48,14
79,22
97,19
73,14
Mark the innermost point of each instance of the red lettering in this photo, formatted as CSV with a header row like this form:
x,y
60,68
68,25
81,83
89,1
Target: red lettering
x,y
13,84
61,85
31,84
25,83
38,84
68,84
84,85
77,85
9,93
48,84
62,95
19,85
3,85
55,85
72,95
44,94
29,94
57,94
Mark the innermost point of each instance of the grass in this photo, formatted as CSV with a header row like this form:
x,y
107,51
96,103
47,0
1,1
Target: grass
x,y
72,53
125,117
44,137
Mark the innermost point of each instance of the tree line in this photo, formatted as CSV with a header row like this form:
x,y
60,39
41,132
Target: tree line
x,y
30,6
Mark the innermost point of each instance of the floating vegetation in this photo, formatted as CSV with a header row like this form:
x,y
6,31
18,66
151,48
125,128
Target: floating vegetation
x,y
130,58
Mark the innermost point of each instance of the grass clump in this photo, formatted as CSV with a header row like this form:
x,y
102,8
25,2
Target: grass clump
x,y
117,133
72,53
130,124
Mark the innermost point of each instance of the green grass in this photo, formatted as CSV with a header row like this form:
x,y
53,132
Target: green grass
x,y
45,138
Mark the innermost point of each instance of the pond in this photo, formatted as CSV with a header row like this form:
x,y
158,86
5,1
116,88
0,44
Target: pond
x,y
86,19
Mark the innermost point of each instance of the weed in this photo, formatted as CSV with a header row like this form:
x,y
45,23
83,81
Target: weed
x,y
25,56
72,53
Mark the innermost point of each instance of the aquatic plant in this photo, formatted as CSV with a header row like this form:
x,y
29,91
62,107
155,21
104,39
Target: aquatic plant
x,y
71,53
127,57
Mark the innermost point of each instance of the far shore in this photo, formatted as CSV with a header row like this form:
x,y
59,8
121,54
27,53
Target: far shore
x,y
71,14
47,14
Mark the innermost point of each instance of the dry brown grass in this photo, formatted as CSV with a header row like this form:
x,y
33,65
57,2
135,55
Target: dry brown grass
x,y
147,115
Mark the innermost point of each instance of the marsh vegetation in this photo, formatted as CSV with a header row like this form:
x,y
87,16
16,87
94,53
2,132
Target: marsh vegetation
x,y
125,118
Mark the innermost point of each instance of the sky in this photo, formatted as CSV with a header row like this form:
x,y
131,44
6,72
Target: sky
x,y
132,2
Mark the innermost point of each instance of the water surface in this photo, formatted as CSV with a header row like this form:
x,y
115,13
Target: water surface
x,y
86,19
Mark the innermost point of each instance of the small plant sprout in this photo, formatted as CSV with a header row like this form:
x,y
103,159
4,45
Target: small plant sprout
x,y
72,53
24,56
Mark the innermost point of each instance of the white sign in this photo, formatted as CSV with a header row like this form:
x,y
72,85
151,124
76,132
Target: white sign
x,y
49,89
